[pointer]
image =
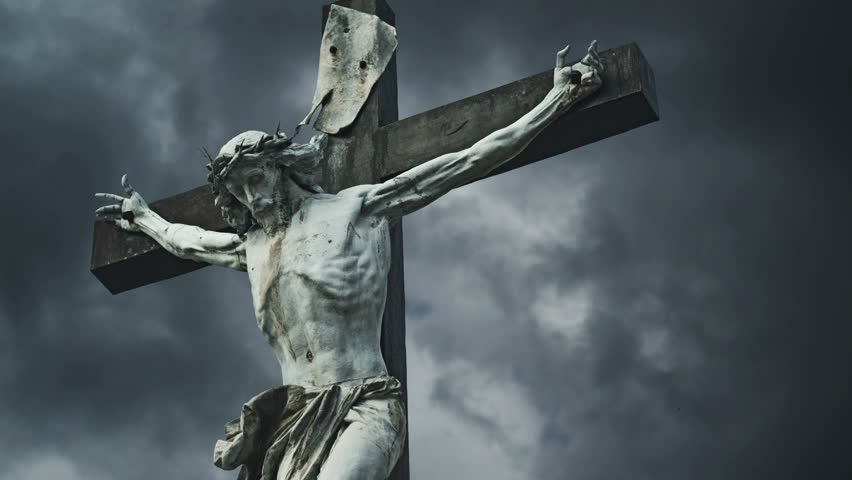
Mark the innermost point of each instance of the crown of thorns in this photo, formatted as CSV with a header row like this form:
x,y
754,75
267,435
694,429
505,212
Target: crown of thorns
x,y
220,166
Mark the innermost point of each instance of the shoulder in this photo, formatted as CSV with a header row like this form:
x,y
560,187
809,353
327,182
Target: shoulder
x,y
366,197
358,191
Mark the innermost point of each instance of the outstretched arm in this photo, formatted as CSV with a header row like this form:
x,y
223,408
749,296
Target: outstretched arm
x,y
184,241
421,185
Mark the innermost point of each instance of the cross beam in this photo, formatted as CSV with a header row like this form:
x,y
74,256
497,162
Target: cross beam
x,y
378,146
122,260
626,100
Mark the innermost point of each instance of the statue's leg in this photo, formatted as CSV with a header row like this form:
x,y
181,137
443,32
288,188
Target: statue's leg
x,y
370,444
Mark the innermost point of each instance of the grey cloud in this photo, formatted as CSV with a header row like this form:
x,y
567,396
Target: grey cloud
x,y
713,238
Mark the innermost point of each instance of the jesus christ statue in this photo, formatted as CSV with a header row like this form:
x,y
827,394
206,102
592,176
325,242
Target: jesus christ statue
x,y
318,266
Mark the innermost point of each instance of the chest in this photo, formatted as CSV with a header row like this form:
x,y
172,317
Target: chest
x,y
323,228
326,233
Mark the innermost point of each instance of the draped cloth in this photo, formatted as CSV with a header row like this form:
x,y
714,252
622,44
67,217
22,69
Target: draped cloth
x,y
294,428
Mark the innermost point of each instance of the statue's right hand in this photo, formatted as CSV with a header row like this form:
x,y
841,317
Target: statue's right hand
x,y
126,211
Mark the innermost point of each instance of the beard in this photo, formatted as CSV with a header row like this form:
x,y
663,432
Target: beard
x,y
276,214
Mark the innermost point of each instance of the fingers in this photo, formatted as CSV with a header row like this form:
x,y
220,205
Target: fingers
x,y
560,56
110,196
126,185
109,209
112,214
592,57
118,222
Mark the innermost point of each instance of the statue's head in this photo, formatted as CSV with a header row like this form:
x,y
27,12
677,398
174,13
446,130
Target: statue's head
x,y
251,170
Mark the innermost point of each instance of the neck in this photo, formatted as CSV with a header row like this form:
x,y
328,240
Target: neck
x,y
286,202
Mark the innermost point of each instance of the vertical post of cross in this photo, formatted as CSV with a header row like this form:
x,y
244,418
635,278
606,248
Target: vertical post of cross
x,y
356,155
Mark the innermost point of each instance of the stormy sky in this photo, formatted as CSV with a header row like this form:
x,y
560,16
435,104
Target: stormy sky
x,y
669,303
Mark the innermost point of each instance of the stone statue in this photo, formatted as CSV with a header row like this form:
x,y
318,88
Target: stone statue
x,y
318,264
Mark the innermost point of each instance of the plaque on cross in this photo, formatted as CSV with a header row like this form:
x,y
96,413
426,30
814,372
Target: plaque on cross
x,y
372,169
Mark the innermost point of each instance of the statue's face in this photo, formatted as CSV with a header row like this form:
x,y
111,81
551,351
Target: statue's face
x,y
256,169
254,184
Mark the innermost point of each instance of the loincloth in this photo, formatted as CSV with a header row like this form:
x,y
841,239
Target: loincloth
x,y
293,427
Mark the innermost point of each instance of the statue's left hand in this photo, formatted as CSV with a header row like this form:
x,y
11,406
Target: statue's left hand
x,y
581,79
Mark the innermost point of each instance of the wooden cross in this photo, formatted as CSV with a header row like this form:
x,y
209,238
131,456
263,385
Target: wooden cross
x,y
378,146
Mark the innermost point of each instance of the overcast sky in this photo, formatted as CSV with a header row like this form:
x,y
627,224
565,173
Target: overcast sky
x,y
670,303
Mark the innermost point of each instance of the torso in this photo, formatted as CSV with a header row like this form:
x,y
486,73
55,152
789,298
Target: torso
x,y
319,290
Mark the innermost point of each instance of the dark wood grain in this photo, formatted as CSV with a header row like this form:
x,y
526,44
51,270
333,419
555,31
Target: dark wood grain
x,y
124,260
354,157
626,100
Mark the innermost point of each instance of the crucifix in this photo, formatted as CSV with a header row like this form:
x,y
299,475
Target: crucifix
x,y
319,225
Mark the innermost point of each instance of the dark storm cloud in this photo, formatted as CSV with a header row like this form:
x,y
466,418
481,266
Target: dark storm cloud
x,y
714,344
719,232
91,91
